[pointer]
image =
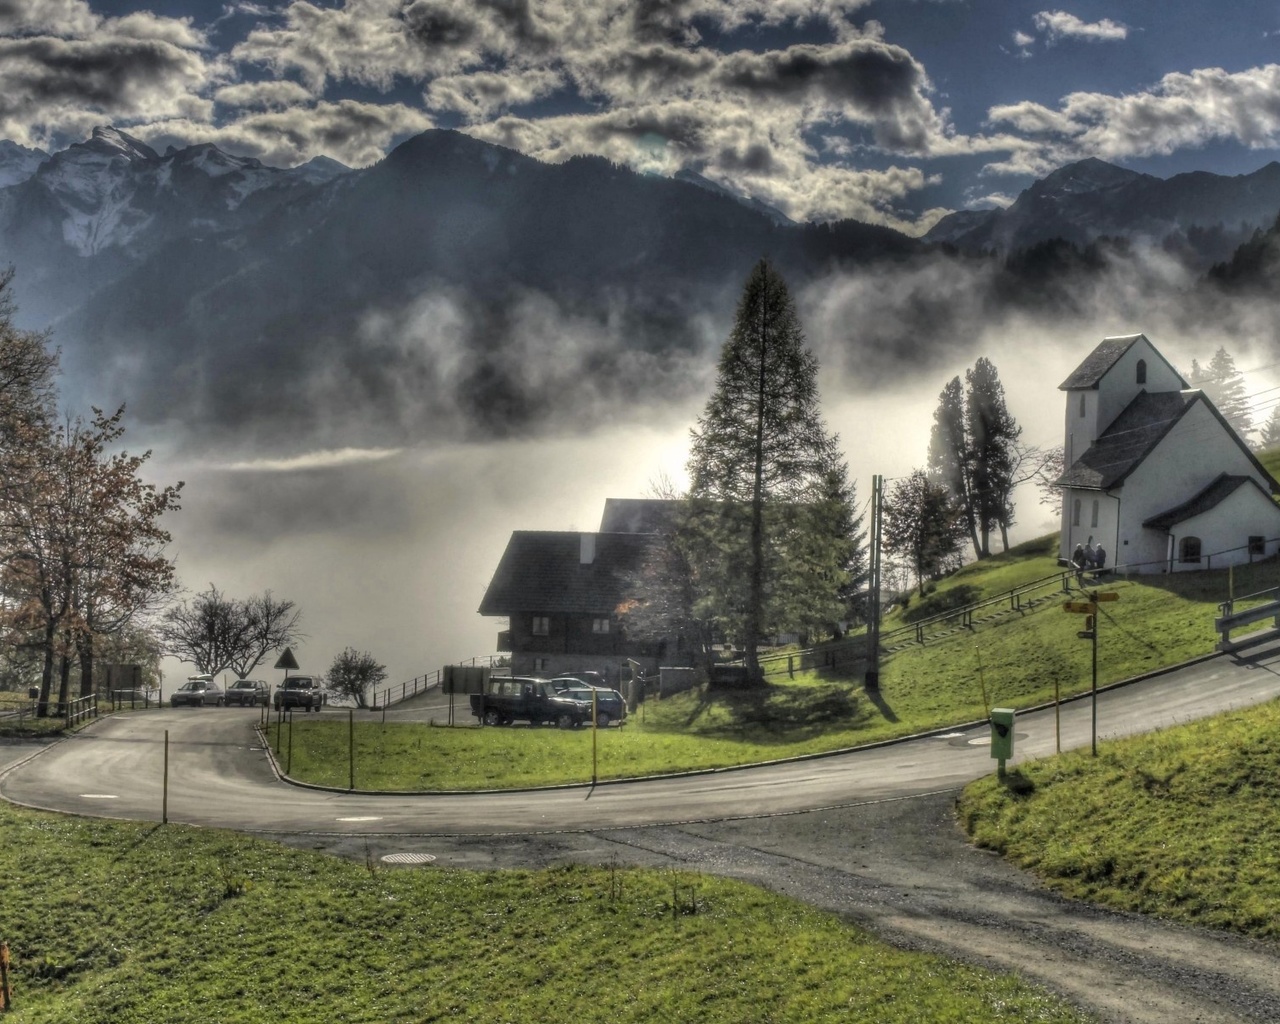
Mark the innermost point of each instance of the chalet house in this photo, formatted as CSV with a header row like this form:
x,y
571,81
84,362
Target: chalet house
x,y
561,592
1155,474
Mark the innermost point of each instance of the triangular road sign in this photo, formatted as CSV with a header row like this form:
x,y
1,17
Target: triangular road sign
x,y
287,660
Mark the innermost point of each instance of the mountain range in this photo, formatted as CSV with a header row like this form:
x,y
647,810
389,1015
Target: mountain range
x,y
460,285
1200,215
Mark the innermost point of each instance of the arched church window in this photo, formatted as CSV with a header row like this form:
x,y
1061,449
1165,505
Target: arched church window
x,y
1081,403
1142,371
1189,549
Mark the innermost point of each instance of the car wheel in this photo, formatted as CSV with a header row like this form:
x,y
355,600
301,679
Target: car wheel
x,y
566,720
603,719
492,717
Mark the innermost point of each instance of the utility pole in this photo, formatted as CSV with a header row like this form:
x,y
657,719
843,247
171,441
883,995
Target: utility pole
x,y
873,589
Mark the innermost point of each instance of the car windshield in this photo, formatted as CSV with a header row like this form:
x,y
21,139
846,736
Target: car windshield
x,y
193,686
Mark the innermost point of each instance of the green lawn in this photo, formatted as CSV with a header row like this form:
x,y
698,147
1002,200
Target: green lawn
x,y
1019,659
122,923
1183,823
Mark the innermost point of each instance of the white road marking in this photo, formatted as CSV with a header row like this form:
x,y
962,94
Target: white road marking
x,y
359,819
99,796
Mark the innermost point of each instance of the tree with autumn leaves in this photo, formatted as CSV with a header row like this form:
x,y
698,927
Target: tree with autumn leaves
x,y
82,549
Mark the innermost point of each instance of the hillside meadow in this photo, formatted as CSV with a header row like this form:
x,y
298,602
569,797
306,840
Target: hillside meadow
x,y
123,923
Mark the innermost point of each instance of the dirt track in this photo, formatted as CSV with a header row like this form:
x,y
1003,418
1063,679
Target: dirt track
x,y
903,869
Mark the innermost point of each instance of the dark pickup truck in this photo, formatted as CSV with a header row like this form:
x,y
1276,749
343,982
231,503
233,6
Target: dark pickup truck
x,y
529,699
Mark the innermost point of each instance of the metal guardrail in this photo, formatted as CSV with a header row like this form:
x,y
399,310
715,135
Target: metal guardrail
x,y
962,617
422,684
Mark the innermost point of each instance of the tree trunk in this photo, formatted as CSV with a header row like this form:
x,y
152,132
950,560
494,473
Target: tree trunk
x,y
46,673
86,668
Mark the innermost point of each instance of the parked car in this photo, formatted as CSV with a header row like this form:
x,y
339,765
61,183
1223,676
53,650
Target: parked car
x,y
198,692
248,692
508,699
610,705
300,692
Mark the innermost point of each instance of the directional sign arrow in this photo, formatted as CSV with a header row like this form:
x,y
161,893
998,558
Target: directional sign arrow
x,y
1080,607
1109,595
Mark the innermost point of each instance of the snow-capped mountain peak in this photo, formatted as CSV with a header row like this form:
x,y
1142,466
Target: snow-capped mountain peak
x,y
112,142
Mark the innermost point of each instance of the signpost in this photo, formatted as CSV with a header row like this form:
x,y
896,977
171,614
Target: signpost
x,y
286,661
1090,633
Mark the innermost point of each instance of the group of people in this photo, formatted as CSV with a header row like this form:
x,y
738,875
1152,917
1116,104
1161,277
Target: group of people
x,y
1088,557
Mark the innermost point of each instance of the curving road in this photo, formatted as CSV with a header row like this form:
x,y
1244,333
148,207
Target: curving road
x,y
868,834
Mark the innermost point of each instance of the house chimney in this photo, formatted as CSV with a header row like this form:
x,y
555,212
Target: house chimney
x,y
587,548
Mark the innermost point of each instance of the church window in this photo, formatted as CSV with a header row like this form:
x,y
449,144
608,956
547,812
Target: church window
x,y
1189,549
1093,519
1081,403
1075,512
1142,371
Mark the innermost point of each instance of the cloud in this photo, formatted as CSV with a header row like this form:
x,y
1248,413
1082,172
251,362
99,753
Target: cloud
x,y
353,133
327,459
1180,111
1056,25
271,95
64,69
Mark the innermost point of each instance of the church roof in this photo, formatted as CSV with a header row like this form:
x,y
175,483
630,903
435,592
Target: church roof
x,y
1086,376
1125,443
1211,497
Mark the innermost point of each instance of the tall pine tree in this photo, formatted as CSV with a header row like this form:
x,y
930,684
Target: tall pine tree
x,y
770,514
993,438
950,463
1224,385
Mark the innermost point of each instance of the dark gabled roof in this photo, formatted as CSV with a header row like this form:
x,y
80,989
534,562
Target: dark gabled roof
x,y
1136,431
1130,437
541,572
1212,496
1086,376
639,515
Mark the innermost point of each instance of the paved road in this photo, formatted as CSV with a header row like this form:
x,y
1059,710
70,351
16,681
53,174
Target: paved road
x,y
219,775
868,835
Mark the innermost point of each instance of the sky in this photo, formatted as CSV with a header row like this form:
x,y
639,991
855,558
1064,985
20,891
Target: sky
x,y
890,111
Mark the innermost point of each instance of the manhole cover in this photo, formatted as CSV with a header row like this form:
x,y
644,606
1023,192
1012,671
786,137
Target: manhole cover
x,y
408,858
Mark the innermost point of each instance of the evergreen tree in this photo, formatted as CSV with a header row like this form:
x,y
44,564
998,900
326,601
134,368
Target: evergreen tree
x,y
1224,385
768,508
993,439
923,525
1270,434
950,463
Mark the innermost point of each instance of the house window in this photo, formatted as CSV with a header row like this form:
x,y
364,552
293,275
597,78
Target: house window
x,y
1189,549
1257,545
1093,518
1081,403
539,665
541,625
599,625
1075,512
1142,371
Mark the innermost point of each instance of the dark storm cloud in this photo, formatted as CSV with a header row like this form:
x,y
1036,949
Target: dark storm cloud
x,y
865,79
113,75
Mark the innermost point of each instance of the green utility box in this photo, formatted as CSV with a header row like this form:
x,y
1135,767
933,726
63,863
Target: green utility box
x,y
1002,733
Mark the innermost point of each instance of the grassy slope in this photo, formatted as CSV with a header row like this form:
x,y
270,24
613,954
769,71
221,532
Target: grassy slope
x,y
1158,620
133,924
1184,823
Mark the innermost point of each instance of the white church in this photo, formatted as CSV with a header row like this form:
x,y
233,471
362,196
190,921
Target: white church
x,y
1155,474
